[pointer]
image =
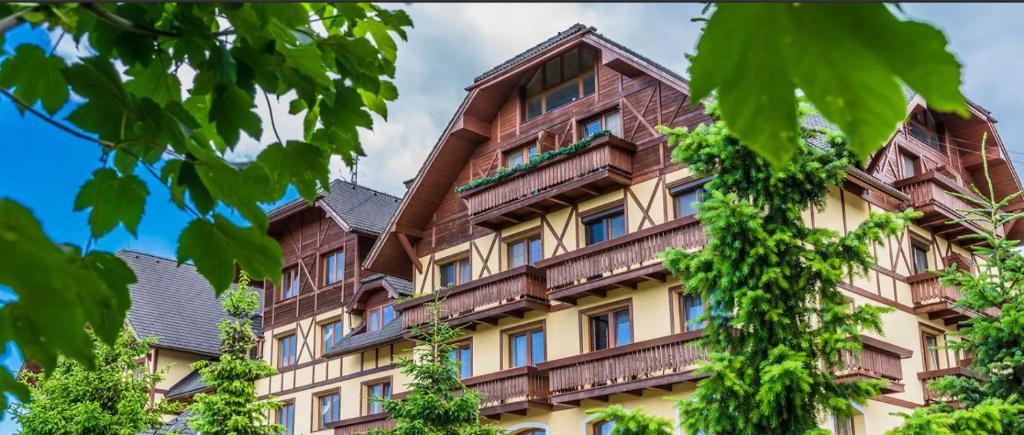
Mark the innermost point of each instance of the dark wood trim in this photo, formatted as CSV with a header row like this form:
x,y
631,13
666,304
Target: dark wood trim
x,y
628,237
410,251
596,393
364,398
615,351
361,373
358,420
898,402
874,297
468,286
901,352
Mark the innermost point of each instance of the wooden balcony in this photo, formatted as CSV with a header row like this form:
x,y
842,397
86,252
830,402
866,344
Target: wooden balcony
x,y
513,391
363,424
620,262
658,363
485,300
605,165
876,360
930,194
960,370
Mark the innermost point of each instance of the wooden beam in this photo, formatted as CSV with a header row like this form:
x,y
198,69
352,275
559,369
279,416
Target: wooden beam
x,y
412,232
410,252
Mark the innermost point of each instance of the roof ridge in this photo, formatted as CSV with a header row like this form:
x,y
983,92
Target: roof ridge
x,y
339,180
558,37
147,254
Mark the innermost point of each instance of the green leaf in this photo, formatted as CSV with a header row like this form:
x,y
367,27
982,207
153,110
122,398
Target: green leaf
x,y
216,246
113,199
300,164
848,59
107,107
35,77
154,82
231,111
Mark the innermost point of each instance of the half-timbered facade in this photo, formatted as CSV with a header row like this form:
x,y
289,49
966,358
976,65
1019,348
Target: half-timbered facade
x,y
539,212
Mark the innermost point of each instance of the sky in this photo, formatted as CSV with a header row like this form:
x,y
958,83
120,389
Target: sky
x,y
450,44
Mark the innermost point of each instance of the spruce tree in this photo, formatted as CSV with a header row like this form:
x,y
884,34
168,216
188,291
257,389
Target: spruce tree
x,y
778,325
232,407
632,422
110,398
991,399
437,403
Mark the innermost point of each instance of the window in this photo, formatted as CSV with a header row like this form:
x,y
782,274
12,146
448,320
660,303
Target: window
x,y
603,428
331,333
286,418
610,329
844,426
462,354
605,225
924,128
909,165
560,81
524,251
931,350
532,432
455,272
374,394
286,351
607,121
334,267
920,256
330,409
692,310
526,348
520,155
377,317
290,283
685,200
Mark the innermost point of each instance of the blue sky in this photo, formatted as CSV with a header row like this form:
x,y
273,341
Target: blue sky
x,y
43,168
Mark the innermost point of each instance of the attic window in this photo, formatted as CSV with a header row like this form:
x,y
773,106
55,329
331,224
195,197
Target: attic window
x,y
925,128
560,81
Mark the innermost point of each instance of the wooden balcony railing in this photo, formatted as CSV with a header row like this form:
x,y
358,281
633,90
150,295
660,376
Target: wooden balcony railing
x,y
487,299
363,424
930,194
511,390
606,162
925,288
619,256
647,364
876,360
960,370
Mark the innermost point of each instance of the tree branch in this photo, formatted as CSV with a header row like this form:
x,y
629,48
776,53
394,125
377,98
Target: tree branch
x,y
13,20
127,25
273,124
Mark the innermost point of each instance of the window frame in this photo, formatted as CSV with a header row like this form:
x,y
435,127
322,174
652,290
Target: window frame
x,y
684,313
927,353
581,76
935,133
457,262
293,357
286,419
339,272
387,391
915,164
924,248
844,425
604,214
524,152
321,424
293,271
610,309
338,333
457,347
526,240
379,309
603,119
509,334
595,427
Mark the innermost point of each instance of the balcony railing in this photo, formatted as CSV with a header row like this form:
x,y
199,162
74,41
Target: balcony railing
x,y
930,194
606,163
876,360
487,299
363,424
619,261
512,390
655,363
960,370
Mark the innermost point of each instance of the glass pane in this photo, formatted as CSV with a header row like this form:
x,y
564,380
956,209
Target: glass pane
x,y
517,254
587,59
536,253
537,347
328,336
611,123
532,150
465,362
623,333
513,158
553,73
588,85
448,275
566,94
518,345
617,225
329,269
595,231
694,309
686,203
535,85
464,271
373,321
604,428
295,283
592,127
570,65
533,109
599,331
389,314
909,166
920,259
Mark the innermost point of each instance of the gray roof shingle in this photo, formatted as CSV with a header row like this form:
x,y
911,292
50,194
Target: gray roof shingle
x,y
177,426
173,304
361,208
358,339
402,286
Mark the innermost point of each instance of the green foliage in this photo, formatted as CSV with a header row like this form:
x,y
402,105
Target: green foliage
x,y
849,60
635,422
503,173
437,402
334,62
111,397
777,325
232,407
992,342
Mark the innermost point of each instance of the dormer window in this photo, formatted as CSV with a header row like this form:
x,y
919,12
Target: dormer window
x,y
925,128
560,81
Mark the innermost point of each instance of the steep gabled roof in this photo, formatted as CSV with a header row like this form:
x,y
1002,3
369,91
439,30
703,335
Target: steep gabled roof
x,y
174,304
574,30
357,208
187,386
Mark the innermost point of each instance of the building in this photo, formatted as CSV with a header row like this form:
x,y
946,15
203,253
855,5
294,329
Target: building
x,y
551,267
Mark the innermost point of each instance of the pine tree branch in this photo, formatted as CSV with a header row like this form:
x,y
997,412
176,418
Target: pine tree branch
x,y
13,20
